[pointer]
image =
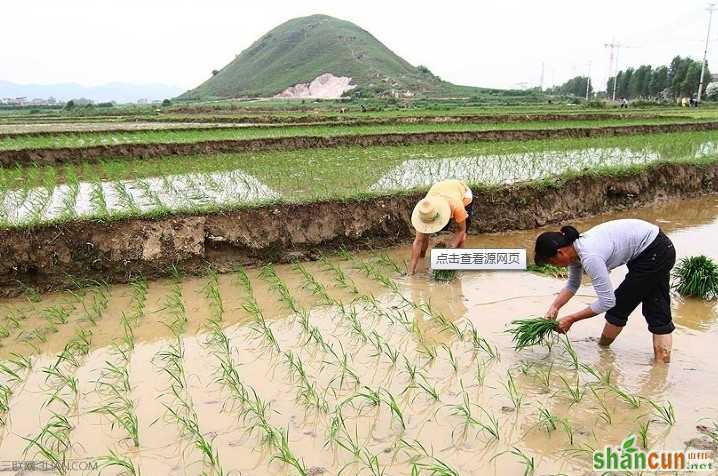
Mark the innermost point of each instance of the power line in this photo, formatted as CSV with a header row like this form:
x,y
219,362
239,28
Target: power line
x,y
705,51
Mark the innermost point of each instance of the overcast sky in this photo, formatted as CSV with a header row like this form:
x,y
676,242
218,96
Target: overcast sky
x,y
479,43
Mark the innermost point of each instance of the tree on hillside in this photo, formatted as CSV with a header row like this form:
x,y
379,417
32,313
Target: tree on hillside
x,y
575,87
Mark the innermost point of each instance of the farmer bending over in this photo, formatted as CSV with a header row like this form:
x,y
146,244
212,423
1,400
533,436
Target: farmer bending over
x,y
446,200
642,246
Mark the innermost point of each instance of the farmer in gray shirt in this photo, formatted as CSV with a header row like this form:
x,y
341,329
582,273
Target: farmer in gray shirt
x,y
640,245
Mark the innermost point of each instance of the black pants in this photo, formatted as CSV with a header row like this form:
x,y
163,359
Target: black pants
x,y
647,283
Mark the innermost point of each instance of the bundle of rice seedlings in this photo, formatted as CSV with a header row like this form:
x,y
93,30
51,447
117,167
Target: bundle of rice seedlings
x,y
548,270
443,274
697,276
531,331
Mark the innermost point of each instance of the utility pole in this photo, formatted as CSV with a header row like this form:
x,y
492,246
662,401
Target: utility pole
x,y
614,46
542,72
705,51
588,80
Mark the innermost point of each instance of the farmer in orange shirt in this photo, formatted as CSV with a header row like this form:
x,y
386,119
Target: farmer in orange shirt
x,y
446,200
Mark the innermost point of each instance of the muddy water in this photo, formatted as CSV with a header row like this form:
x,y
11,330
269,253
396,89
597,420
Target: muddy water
x,y
408,331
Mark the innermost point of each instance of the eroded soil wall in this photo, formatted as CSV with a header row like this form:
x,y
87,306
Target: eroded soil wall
x,y
45,257
132,151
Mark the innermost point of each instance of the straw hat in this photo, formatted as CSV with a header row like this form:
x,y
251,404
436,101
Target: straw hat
x,y
431,214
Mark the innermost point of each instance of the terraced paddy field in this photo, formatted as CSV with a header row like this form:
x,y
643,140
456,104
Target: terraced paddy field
x,y
115,189
173,305
61,140
346,366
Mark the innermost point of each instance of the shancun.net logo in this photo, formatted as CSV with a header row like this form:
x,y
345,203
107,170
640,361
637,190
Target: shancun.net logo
x,y
628,457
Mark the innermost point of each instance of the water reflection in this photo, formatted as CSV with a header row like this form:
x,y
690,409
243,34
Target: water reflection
x,y
497,169
168,193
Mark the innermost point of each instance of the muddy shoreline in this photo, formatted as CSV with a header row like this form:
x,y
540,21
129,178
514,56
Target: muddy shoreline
x,y
47,257
63,155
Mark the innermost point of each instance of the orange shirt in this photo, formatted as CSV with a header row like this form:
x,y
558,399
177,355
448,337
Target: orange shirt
x,y
454,191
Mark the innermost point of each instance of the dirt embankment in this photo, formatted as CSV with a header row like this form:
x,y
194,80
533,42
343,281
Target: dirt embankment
x,y
61,155
46,257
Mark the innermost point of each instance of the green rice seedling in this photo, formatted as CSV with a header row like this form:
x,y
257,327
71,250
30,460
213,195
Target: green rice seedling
x,y
175,305
53,441
544,375
391,353
526,460
429,389
452,358
313,285
444,275
211,292
341,362
56,315
480,372
584,450
126,199
341,280
492,427
370,396
631,400
385,260
603,412
125,464
128,336
256,413
514,393
601,378
371,462
643,433
260,324
574,391
4,332
286,455
697,276
464,411
548,270
546,419
663,413
5,394
394,407
525,366
349,443
573,356
123,415
9,374
567,428
307,391
532,331
428,351
411,368
97,200
20,361
285,296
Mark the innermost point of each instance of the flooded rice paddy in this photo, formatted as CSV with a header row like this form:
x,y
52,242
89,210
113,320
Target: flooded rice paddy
x,y
236,181
346,365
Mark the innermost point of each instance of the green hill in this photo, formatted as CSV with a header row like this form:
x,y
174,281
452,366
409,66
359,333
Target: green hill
x,y
302,49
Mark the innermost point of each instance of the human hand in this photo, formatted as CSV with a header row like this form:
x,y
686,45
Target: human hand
x,y
552,313
564,325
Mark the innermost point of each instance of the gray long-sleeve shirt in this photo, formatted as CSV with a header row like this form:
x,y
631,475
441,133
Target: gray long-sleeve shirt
x,y
603,248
